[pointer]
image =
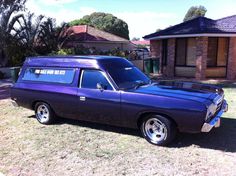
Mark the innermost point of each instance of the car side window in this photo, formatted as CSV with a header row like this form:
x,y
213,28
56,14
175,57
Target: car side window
x,y
90,78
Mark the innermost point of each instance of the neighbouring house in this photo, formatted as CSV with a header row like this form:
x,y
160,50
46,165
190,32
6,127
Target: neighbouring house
x,y
91,37
141,43
200,48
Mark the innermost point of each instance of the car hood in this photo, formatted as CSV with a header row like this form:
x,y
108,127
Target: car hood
x,y
182,90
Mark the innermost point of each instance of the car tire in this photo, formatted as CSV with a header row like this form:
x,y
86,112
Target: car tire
x,y
43,113
158,130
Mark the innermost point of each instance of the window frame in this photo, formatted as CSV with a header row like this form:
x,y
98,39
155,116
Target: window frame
x,y
227,50
185,53
164,52
103,73
47,82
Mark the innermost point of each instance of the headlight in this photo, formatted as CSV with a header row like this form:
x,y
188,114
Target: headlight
x,y
211,110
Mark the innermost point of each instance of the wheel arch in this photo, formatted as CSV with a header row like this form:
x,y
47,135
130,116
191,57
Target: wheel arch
x,y
145,114
37,101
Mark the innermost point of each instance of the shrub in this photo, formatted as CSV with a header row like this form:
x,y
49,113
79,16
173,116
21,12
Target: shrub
x,y
63,51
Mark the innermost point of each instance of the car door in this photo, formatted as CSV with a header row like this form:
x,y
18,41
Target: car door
x,y
98,105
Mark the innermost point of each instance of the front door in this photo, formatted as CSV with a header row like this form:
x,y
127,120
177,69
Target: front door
x,y
98,104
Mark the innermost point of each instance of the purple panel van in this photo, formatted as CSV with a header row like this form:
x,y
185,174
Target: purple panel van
x,y
111,90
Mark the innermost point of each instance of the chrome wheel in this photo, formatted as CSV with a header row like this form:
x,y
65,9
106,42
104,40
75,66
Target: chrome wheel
x,y
155,130
42,113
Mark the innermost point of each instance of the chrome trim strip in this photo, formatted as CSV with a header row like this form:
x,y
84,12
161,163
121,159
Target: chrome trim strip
x,y
80,79
218,99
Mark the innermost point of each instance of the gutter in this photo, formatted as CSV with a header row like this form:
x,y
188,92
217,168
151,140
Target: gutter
x,y
191,35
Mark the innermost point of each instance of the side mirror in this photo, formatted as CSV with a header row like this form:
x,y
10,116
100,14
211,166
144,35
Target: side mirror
x,y
101,87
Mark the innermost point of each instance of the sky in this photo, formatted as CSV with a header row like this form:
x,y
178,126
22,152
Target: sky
x,y
143,16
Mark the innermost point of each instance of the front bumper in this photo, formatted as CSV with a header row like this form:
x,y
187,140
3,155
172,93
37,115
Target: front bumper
x,y
215,122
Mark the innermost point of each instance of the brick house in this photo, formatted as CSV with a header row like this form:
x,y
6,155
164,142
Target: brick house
x,y
200,48
91,37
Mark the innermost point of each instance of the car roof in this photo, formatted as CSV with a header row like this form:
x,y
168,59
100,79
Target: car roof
x,y
94,57
77,61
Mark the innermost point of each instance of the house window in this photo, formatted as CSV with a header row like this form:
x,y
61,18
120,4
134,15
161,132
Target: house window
x,y
185,52
181,52
164,51
217,52
191,52
212,52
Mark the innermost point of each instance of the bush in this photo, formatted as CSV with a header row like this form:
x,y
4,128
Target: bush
x,y
81,50
63,52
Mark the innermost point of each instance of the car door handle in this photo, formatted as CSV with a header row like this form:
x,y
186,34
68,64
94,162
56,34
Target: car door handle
x,y
82,98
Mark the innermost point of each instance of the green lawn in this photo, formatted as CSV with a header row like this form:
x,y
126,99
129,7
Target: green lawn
x,y
76,148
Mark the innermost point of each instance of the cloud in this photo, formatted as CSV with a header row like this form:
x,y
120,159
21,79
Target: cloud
x,y
61,14
86,10
55,2
140,23
143,23
214,14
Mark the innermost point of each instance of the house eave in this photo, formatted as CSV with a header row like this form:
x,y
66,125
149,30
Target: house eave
x,y
121,42
192,35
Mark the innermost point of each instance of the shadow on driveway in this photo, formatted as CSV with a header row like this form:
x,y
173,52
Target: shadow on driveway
x,y
5,89
222,138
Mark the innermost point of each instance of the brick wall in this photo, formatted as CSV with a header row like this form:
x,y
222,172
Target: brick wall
x,y
201,57
156,51
155,48
231,70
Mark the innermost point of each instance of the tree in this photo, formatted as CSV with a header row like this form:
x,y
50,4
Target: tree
x,y
8,17
53,37
194,12
106,22
28,31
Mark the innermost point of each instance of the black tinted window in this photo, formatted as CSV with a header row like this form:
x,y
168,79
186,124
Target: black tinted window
x,y
53,75
128,77
90,79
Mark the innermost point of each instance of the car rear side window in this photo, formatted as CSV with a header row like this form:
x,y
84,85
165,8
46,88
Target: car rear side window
x,y
53,75
90,78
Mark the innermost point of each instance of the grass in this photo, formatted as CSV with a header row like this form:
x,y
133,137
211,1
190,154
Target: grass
x,y
78,148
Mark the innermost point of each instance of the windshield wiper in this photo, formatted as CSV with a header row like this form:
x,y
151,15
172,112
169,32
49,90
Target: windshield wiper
x,y
139,84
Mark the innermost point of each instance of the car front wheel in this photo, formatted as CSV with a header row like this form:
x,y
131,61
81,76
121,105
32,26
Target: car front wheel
x,y
44,113
158,130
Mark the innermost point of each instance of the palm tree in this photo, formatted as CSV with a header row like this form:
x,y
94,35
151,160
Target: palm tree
x,y
8,17
53,37
28,31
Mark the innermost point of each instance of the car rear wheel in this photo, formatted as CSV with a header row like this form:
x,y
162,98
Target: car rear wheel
x,y
44,113
158,130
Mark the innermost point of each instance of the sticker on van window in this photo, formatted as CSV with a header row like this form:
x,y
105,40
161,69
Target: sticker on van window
x,y
54,75
50,72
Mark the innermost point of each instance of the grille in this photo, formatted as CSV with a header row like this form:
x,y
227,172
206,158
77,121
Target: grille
x,y
218,101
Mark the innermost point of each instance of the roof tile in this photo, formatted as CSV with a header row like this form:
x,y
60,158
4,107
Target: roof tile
x,y
198,26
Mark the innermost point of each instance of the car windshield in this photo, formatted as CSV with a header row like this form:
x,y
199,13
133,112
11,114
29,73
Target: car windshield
x,y
128,77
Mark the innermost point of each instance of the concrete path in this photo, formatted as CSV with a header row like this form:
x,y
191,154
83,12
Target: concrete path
x,y
5,85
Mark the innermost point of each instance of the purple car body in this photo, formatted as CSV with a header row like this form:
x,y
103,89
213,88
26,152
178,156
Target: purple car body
x,y
190,107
